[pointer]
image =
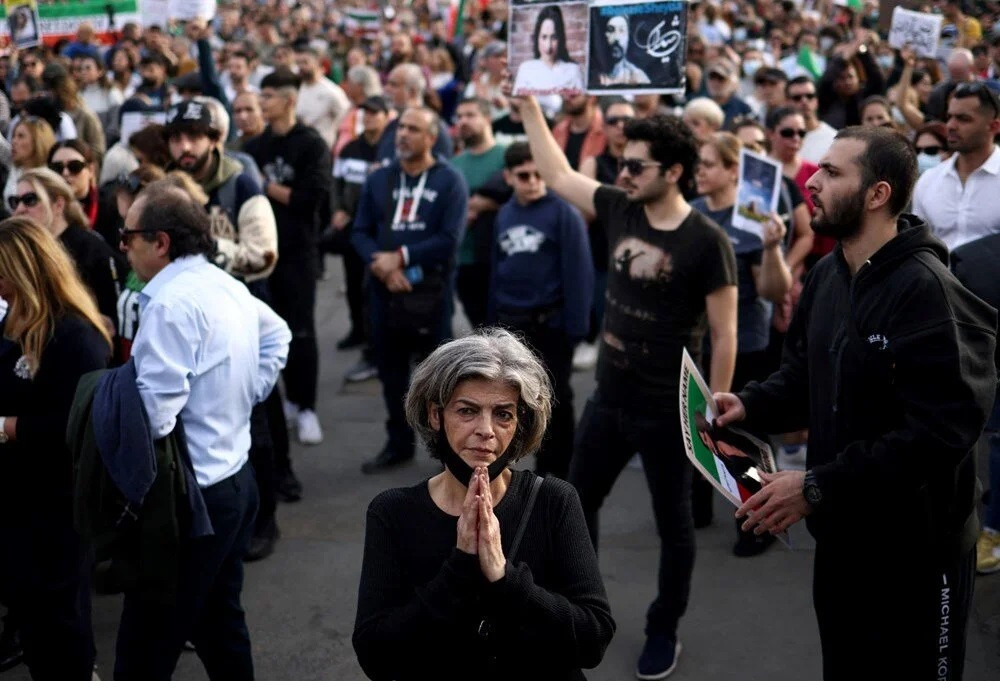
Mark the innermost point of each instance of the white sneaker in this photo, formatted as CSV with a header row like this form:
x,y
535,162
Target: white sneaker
x,y
308,428
291,411
585,356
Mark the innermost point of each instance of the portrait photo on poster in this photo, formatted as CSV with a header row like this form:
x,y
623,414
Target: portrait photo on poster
x,y
637,47
548,48
23,22
757,192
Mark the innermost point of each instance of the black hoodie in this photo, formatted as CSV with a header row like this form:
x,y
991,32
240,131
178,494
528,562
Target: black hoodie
x,y
892,371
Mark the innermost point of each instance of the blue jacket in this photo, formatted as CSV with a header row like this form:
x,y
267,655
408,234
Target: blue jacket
x,y
541,257
431,237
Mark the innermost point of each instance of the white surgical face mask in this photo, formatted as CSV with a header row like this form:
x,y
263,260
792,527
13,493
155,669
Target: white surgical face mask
x,y
925,161
751,67
885,61
740,34
825,44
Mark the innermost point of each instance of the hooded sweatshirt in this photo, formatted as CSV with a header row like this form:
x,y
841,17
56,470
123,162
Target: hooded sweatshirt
x,y
892,371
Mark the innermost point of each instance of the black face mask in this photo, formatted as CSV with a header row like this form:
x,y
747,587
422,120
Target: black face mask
x,y
461,470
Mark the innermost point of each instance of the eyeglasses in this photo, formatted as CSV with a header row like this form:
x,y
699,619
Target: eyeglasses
x,y
75,167
792,133
527,176
124,234
635,166
980,90
29,199
802,97
929,150
619,120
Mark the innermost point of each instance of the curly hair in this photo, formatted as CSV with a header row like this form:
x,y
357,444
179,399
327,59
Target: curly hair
x,y
670,141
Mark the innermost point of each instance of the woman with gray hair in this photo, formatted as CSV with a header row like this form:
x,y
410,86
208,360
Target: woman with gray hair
x,y
481,572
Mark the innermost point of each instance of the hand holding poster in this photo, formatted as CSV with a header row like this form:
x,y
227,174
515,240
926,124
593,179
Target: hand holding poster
x,y
548,48
918,30
729,458
756,192
637,47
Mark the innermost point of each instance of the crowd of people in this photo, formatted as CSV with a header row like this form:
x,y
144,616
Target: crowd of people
x,y
174,195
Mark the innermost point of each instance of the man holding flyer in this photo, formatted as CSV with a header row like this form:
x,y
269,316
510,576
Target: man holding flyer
x,y
889,363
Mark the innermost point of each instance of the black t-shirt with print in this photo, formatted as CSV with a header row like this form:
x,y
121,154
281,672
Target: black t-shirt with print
x,y
657,284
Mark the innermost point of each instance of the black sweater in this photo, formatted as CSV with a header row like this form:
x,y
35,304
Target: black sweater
x,y
892,371
422,602
98,267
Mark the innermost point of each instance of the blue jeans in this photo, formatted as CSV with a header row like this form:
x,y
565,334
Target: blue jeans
x,y
607,437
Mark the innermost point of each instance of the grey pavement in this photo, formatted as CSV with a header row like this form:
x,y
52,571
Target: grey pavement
x,y
748,619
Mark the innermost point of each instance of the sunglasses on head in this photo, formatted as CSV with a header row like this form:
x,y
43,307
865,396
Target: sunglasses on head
x,y
75,167
981,90
29,199
615,121
929,150
803,97
527,176
792,133
635,166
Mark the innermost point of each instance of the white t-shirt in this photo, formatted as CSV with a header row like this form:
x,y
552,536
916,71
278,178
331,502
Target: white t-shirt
x,y
536,76
322,105
817,142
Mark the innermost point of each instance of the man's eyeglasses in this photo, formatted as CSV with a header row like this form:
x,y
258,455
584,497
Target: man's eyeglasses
x,y
618,121
980,90
29,199
75,167
802,97
635,166
527,176
929,150
792,133
125,234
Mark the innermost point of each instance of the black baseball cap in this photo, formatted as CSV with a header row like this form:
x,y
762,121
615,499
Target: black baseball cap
x,y
375,103
190,117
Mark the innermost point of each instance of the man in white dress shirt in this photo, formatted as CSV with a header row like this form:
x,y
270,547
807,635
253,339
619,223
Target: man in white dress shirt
x,y
960,198
205,353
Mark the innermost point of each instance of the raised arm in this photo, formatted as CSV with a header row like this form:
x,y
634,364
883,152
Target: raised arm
x,y
575,188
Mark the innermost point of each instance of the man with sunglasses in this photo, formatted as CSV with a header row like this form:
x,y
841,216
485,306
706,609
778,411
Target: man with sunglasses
x,y
959,198
670,270
802,95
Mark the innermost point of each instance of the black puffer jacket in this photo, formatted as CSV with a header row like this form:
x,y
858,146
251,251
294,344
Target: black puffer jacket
x,y
892,371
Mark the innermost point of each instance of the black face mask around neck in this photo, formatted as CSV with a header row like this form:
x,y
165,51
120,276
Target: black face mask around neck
x,y
461,470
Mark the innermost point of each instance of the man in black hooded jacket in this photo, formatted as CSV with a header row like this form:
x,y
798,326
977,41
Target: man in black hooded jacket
x,y
889,363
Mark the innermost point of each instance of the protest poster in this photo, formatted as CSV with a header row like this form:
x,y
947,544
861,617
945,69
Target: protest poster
x,y
637,47
757,192
191,9
136,121
729,458
155,13
23,23
918,30
59,20
547,52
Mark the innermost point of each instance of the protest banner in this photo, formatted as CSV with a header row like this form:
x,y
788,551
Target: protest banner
x,y
136,121
757,192
637,47
191,9
918,30
23,23
729,458
547,52
155,13
61,20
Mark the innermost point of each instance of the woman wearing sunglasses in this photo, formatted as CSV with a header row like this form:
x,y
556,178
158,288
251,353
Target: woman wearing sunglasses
x,y
931,142
45,197
786,130
76,162
30,143
51,336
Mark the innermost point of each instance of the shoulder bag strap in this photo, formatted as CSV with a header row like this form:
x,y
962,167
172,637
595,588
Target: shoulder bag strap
x,y
525,516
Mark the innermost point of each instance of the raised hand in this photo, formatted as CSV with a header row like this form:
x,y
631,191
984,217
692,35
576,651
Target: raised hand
x,y
491,558
468,521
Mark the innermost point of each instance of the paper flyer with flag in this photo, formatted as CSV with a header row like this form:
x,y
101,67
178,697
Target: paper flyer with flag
x,y
62,19
729,458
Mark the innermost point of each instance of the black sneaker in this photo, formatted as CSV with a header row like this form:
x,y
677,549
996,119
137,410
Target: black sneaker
x,y
659,657
351,340
289,489
11,653
387,459
262,545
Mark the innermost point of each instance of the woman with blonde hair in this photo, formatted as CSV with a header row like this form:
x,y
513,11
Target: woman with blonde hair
x,y
52,335
481,572
45,197
30,143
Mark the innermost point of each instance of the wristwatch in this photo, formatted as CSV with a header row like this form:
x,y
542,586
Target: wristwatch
x,y
811,491
3,432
